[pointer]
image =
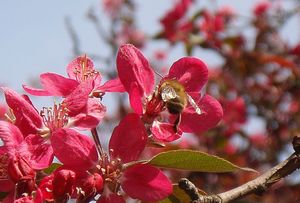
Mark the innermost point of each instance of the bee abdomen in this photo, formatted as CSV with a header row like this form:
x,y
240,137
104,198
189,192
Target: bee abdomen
x,y
174,106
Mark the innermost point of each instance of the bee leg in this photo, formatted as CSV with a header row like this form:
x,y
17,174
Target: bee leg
x,y
177,122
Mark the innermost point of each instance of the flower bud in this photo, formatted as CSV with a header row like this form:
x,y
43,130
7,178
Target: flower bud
x,y
63,184
25,187
89,186
19,168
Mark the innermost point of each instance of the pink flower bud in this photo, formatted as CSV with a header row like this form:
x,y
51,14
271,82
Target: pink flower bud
x,y
25,186
19,168
90,185
63,184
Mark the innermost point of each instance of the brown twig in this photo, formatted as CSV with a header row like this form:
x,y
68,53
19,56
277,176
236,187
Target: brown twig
x,y
256,186
74,37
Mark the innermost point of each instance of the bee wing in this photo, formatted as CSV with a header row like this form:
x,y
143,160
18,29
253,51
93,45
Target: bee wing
x,y
193,104
168,93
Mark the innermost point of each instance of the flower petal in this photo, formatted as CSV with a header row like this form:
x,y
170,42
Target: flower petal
x,y
36,91
10,134
190,72
128,139
74,149
27,118
112,198
57,85
92,116
40,151
212,113
135,98
133,67
78,64
6,185
113,85
76,102
145,182
46,188
3,110
165,132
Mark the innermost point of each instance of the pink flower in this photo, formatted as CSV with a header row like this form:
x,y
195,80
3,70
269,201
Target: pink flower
x,y
80,71
259,140
130,34
182,85
261,8
141,181
112,7
235,114
44,132
129,138
175,27
61,183
81,90
19,159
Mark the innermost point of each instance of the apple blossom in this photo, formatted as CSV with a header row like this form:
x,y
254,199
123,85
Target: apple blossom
x,y
189,75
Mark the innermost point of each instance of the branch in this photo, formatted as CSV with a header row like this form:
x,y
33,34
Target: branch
x,y
73,35
256,186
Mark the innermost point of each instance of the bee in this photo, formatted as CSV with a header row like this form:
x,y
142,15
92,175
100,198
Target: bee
x,y
176,99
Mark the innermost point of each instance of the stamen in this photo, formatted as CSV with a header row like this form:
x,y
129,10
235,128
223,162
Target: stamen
x,y
84,73
56,117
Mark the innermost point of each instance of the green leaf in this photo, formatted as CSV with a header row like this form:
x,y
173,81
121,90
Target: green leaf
x,y
177,196
52,168
194,161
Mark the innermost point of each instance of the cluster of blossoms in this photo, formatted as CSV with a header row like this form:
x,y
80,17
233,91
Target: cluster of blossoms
x,y
86,172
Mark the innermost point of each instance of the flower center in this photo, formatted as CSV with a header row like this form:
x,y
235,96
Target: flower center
x,y
56,117
85,71
111,172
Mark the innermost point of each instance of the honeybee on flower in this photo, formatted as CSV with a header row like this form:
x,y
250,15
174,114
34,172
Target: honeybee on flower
x,y
178,93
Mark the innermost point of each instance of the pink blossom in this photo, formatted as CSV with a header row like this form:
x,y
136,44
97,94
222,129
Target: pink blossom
x,y
52,126
80,70
175,27
59,186
19,159
112,7
128,140
188,73
235,114
261,7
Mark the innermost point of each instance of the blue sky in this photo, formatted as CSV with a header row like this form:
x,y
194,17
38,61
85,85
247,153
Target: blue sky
x,y
34,37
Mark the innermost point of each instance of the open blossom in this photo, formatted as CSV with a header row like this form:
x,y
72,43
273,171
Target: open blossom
x,y
178,92
129,138
214,24
41,130
175,27
80,71
20,157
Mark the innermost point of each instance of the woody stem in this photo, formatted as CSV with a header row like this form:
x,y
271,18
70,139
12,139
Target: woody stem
x,y
97,141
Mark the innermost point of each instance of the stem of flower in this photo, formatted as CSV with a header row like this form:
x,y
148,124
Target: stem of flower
x,y
97,141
